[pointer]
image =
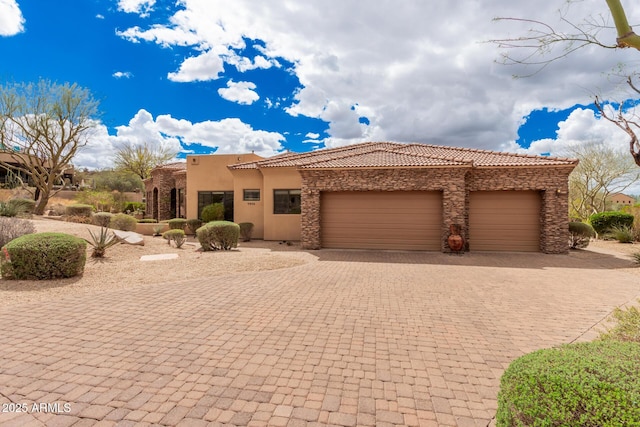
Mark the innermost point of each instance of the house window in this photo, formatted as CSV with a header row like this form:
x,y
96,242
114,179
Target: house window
x,y
286,201
208,197
251,195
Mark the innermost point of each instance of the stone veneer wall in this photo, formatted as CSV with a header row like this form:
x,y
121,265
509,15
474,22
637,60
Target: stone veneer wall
x,y
455,185
552,182
450,181
163,180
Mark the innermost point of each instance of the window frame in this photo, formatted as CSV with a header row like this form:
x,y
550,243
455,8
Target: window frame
x,y
292,208
250,199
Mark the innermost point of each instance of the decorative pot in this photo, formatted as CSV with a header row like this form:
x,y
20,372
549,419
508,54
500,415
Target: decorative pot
x,y
455,240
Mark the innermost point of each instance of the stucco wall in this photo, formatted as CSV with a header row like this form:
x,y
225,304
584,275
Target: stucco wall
x,y
280,226
210,173
249,211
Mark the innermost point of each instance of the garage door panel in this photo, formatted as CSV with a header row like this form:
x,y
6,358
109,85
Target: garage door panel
x,y
408,220
504,221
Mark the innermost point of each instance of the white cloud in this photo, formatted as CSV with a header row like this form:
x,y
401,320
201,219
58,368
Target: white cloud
x,y
206,66
141,7
11,19
241,92
122,75
228,136
312,135
417,70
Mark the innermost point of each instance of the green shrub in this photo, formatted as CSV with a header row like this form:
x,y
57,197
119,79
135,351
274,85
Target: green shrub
x,y
176,236
12,228
586,384
622,234
147,221
194,224
43,256
627,327
8,210
123,222
246,228
103,219
579,234
23,206
134,206
605,221
212,212
218,235
79,209
177,223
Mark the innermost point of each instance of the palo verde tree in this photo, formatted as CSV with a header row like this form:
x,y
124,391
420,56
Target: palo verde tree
x,y
602,170
140,159
42,127
543,44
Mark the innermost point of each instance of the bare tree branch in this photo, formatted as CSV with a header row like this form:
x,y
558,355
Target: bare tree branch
x,y
42,127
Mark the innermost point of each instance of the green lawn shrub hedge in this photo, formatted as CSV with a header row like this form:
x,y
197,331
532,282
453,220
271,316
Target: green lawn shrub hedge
x,y
147,221
579,234
218,235
587,384
43,256
22,205
212,212
123,222
133,206
605,221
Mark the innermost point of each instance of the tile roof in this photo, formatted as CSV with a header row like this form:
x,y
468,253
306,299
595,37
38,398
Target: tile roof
x,y
391,154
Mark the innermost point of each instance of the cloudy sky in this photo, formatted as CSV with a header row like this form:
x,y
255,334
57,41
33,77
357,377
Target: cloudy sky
x,y
239,76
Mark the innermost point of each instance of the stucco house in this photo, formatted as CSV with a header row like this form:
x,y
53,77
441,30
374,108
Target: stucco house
x,y
383,195
621,199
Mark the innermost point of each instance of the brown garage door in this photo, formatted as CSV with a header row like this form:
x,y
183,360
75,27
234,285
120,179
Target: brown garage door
x,y
408,220
504,221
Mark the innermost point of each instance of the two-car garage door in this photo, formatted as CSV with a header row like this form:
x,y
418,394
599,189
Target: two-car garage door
x,y
407,220
413,220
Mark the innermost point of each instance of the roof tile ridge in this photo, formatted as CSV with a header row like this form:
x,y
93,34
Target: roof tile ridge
x,y
431,156
502,153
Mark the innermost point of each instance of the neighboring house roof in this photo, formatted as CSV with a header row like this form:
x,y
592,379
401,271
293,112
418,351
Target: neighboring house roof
x,y
392,154
173,166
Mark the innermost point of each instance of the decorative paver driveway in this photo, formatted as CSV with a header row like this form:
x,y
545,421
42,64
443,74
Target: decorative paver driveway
x,y
355,338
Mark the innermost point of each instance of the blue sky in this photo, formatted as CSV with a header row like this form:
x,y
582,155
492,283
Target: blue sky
x,y
235,76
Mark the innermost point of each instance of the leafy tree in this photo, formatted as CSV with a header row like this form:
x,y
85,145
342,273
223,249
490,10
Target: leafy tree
x,y
42,127
141,159
543,44
119,180
602,171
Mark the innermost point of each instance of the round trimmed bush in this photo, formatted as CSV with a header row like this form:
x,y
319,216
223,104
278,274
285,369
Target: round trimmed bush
x,y
177,223
175,235
579,234
123,222
147,221
43,256
587,384
193,224
246,228
212,212
79,209
103,219
218,235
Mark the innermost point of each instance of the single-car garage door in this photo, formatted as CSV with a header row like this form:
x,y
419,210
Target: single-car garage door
x,y
407,220
504,221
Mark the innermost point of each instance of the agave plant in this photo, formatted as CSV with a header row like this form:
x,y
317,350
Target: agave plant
x,y
101,242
